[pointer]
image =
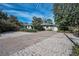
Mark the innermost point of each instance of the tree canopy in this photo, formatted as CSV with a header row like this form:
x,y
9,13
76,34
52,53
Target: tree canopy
x,y
36,22
8,22
66,15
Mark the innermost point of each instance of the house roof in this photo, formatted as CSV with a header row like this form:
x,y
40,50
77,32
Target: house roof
x,y
44,24
47,24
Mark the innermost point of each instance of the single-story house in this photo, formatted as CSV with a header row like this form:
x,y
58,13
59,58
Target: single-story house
x,y
45,26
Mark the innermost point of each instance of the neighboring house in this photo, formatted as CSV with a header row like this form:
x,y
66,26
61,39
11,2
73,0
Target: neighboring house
x,y
28,26
45,26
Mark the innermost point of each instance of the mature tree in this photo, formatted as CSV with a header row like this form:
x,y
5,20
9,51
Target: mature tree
x,y
66,15
37,23
8,22
49,21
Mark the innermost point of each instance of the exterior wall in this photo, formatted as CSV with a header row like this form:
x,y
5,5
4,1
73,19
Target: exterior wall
x,y
29,27
45,27
53,28
48,27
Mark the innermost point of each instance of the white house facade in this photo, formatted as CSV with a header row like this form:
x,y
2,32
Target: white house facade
x,y
49,27
45,26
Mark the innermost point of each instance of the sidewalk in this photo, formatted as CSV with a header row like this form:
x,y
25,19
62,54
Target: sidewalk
x,y
73,38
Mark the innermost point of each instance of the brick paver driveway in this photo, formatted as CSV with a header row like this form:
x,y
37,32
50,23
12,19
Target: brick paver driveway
x,y
10,45
56,45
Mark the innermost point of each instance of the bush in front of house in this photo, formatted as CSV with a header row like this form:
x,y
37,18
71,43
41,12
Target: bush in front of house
x,y
31,30
22,29
49,30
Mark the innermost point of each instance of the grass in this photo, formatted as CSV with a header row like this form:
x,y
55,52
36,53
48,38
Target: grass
x,y
75,51
66,31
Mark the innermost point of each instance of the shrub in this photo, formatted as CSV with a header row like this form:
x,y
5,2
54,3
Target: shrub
x,y
76,32
22,28
31,30
49,30
27,30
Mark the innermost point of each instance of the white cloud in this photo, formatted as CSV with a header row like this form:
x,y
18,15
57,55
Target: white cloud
x,y
7,5
27,14
23,14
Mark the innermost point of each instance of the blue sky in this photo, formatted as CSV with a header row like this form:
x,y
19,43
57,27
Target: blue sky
x,y
25,12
